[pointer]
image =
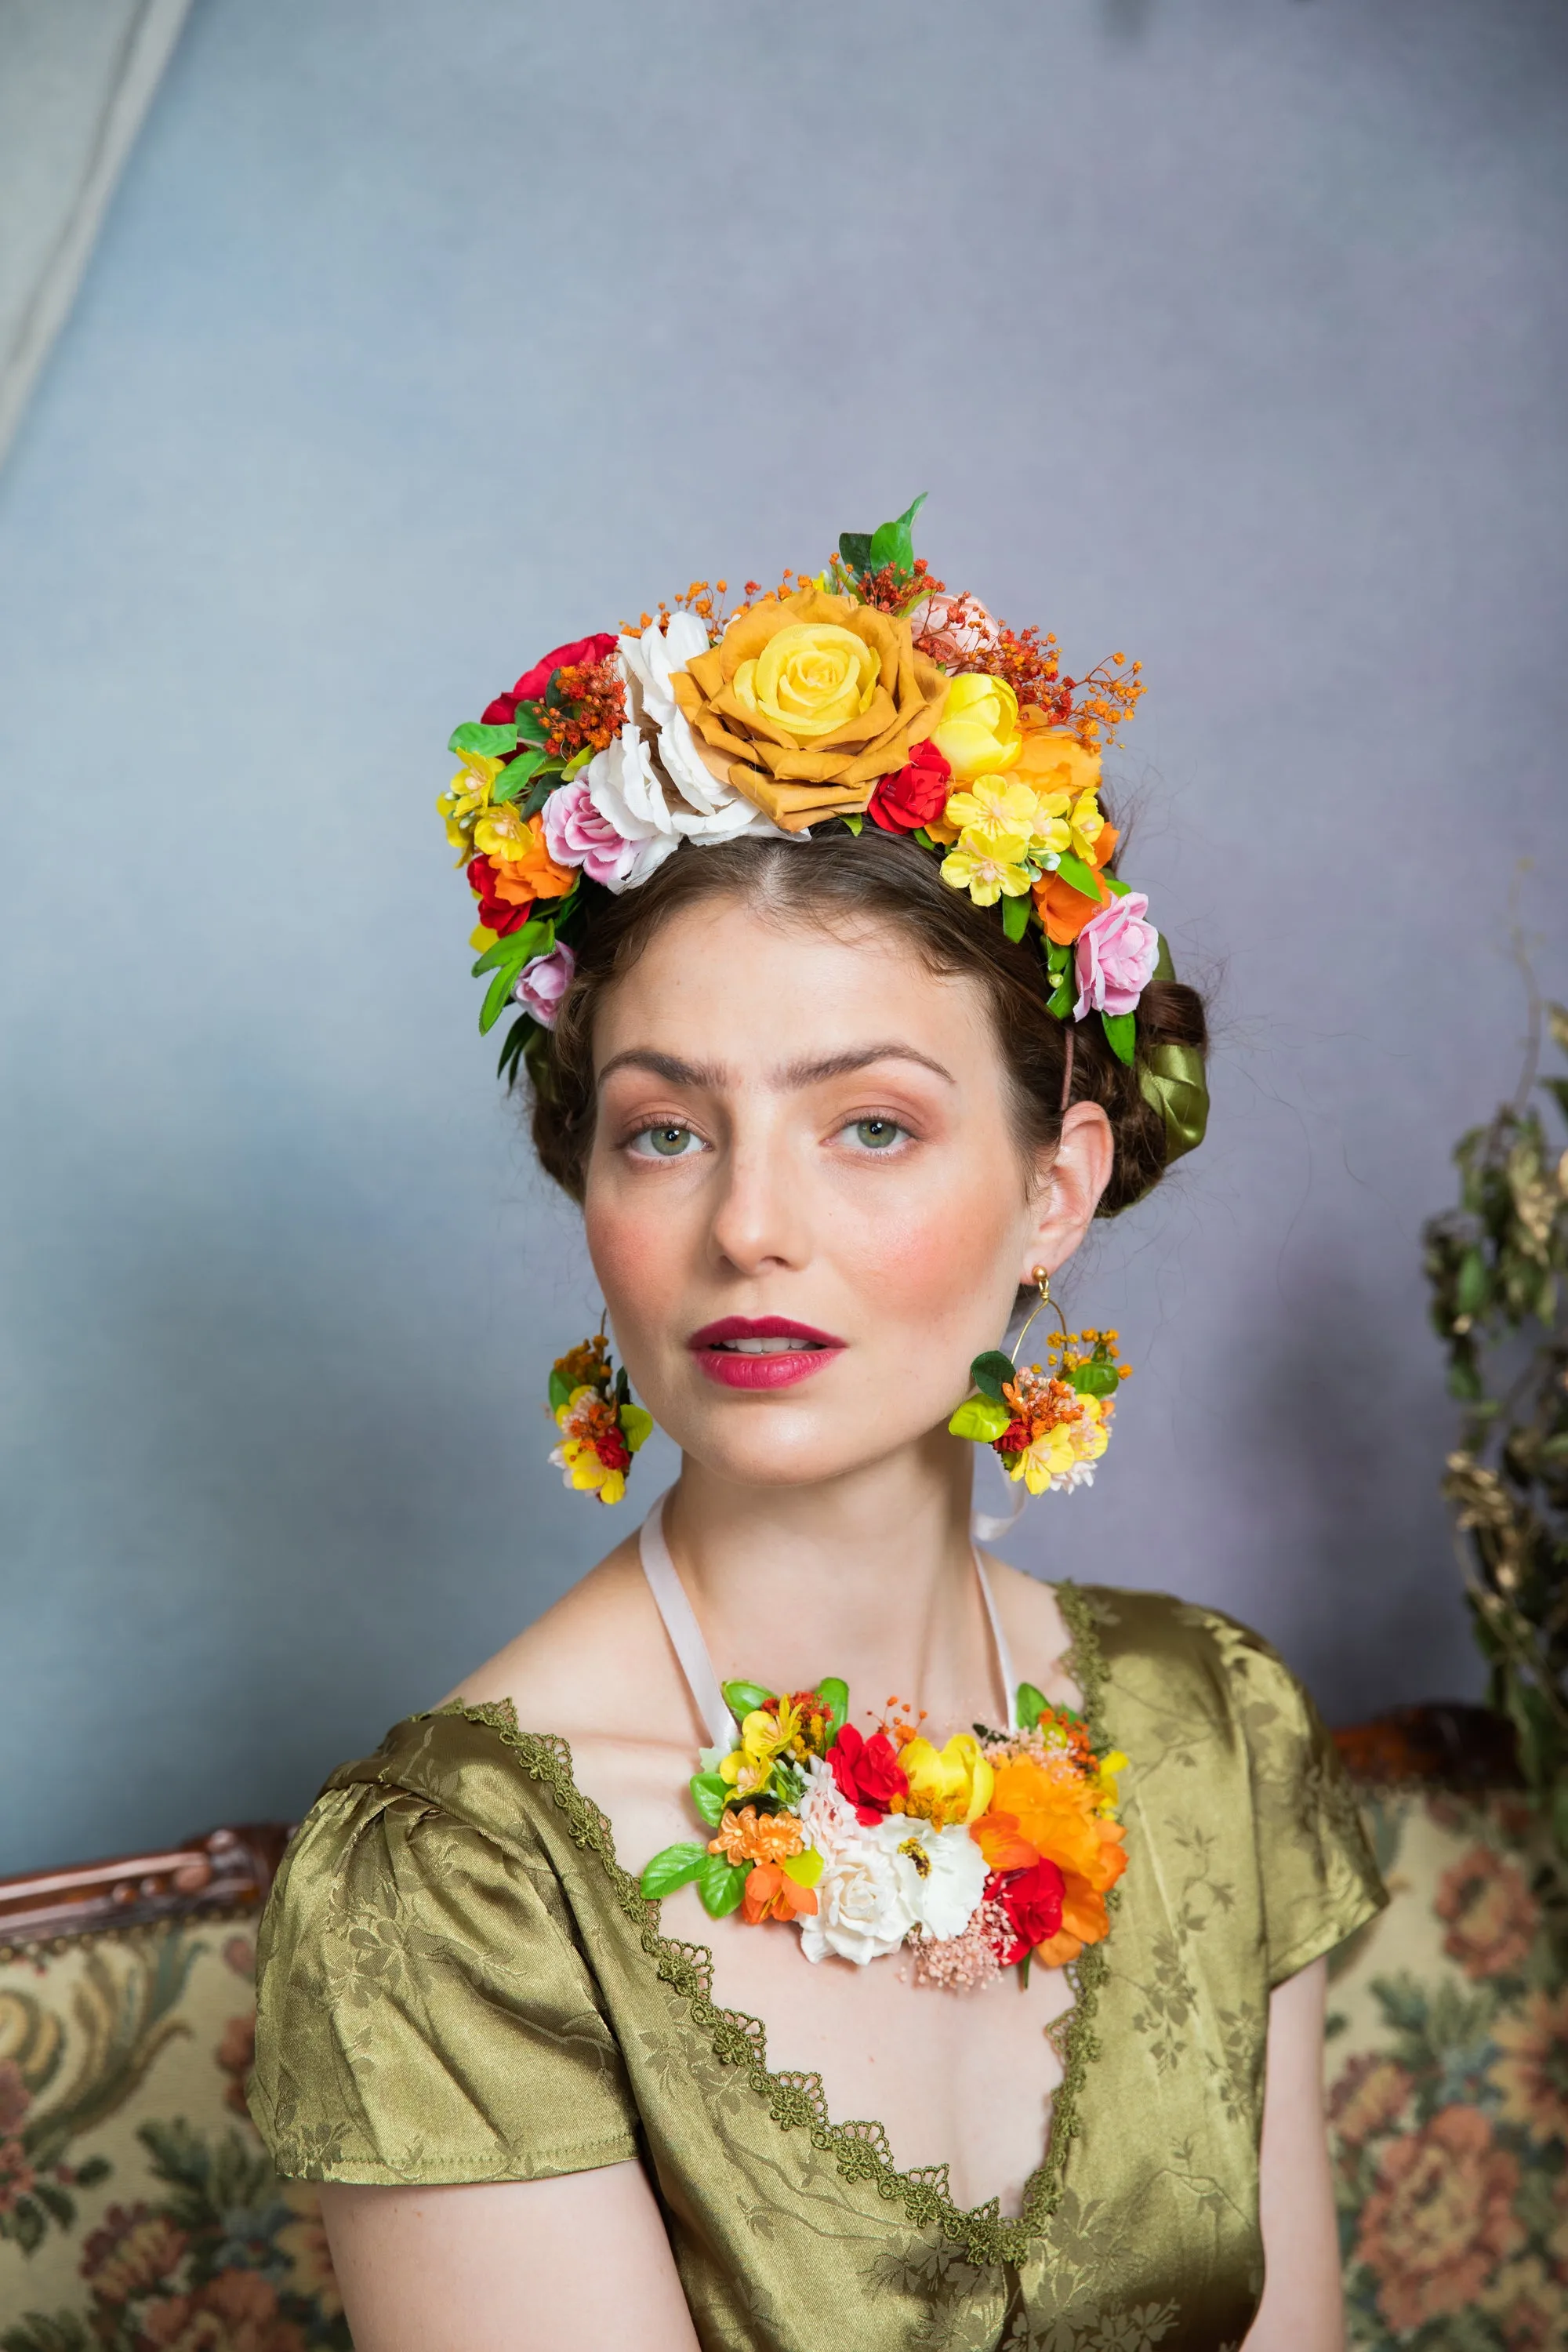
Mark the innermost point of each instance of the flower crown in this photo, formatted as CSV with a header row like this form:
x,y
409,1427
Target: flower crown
x,y
866,694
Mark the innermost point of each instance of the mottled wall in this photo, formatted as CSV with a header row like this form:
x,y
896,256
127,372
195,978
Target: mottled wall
x,y
1229,330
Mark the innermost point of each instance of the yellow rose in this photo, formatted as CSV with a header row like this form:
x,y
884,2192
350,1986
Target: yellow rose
x,y
949,1784
979,734
806,701
809,679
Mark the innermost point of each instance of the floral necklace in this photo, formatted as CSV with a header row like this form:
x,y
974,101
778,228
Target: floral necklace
x,y
993,1851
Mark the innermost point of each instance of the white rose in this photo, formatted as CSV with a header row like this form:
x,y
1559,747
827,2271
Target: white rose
x,y
941,1873
861,1910
717,811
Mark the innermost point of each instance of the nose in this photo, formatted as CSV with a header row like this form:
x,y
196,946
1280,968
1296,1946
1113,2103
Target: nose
x,y
760,1218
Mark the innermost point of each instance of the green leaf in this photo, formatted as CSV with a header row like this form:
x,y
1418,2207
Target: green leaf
x,y
990,1372
515,775
893,542
1015,913
1095,1378
711,1792
834,1693
490,742
559,1391
1062,1001
530,727
539,792
853,824
745,1698
1114,884
636,1426
722,1885
854,547
1464,1381
1121,1034
677,1865
497,998
1470,1290
980,1419
1032,1703
1077,876
511,1052
927,840
516,948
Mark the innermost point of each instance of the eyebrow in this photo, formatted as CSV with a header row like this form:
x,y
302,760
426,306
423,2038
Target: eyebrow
x,y
793,1075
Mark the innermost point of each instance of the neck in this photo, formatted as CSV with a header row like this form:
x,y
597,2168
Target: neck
x,y
870,1576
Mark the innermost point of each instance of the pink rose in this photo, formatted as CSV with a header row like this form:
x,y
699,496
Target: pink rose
x,y
541,984
577,835
1116,952
949,629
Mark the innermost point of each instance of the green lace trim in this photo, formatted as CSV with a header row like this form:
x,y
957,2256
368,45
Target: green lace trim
x,y
796,2101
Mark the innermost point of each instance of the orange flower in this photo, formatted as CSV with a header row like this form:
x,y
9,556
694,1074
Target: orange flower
x,y
1063,910
746,1837
1039,1816
772,1894
523,867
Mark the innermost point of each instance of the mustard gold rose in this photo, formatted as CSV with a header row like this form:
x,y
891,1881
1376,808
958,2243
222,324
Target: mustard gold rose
x,y
806,702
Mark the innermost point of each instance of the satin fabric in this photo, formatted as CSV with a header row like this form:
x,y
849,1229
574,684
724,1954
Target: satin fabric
x,y
457,1983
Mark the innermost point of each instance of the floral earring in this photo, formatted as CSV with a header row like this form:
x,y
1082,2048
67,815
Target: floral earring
x,y
1050,1424
600,1427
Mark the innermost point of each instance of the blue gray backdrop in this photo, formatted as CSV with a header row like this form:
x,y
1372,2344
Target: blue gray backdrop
x,y
1230,331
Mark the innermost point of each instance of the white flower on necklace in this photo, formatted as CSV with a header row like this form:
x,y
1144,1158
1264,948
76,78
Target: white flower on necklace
x,y
942,1872
862,1911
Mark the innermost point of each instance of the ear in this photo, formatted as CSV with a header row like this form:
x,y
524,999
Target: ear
x,y
1072,1179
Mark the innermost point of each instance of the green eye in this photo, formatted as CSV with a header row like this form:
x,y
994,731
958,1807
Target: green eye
x,y
876,1134
669,1142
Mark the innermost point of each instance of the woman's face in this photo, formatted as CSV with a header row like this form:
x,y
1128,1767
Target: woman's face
x,y
806,1199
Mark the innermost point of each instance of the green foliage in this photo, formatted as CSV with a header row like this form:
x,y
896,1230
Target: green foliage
x,y
1015,915
834,1693
711,1792
1121,1034
677,1865
745,1698
982,1420
989,1372
722,1885
1496,1269
891,543
1032,1703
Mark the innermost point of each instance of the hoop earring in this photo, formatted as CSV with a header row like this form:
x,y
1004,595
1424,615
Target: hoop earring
x,y
1049,1423
600,1427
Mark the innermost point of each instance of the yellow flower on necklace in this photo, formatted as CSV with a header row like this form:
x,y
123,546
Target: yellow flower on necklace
x,y
764,1737
465,796
987,869
993,810
947,1784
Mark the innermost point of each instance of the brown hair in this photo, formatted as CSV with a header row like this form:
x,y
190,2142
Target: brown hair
x,y
834,879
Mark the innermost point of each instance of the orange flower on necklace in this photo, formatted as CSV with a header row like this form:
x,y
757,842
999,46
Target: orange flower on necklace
x,y
747,1836
1038,1815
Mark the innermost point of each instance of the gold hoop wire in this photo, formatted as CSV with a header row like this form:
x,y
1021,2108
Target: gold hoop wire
x,y
1041,1274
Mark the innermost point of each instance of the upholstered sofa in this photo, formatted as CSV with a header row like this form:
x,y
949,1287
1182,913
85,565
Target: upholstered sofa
x,y
138,2212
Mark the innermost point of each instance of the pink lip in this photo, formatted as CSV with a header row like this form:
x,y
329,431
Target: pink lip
x,y
779,1371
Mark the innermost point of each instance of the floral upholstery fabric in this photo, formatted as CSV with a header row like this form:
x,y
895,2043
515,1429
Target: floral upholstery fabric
x,y
1447,2088
138,2210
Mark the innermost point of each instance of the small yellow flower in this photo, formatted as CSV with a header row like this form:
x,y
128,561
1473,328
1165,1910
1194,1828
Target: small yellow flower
x,y
764,1737
993,810
578,1458
1065,823
465,796
947,1784
987,869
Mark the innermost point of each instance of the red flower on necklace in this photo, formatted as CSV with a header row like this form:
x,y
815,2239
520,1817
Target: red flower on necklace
x,y
1032,1900
867,1772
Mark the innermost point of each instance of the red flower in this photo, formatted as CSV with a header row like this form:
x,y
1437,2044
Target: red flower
x,y
1032,1900
498,915
916,794
531,686
612,1449
867,1772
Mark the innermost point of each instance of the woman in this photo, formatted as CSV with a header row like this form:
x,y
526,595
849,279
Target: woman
x,y
841,1027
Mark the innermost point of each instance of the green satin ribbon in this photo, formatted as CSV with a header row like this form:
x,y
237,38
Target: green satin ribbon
x,y
1172,1077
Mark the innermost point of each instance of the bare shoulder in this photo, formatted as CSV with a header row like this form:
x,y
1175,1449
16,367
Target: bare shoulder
x,y
596,1658
1037,1632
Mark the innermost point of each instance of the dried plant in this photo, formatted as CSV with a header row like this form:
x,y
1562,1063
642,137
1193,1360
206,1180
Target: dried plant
x,y
1498,1268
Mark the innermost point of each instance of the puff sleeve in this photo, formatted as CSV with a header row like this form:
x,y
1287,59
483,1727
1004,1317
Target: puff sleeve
x,y
1319,1880
423,2012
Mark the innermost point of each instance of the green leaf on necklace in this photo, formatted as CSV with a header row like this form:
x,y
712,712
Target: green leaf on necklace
x,y
711,1792
677,1865
746,1698
722,1885
1032,1703
834,1696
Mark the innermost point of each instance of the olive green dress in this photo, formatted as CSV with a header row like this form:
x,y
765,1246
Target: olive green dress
x,y
459,1982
